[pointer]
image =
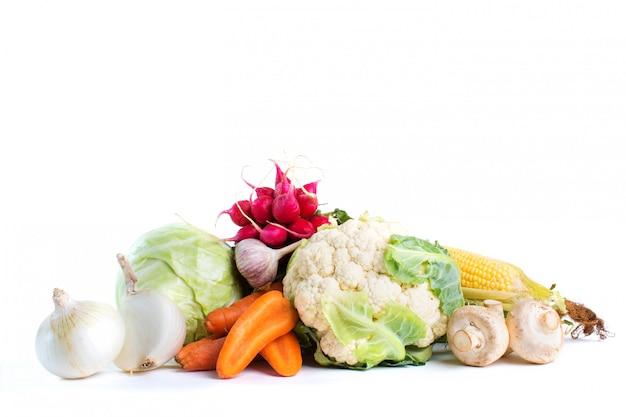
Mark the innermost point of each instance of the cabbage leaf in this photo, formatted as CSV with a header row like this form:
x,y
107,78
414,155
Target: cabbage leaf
x,y
194,268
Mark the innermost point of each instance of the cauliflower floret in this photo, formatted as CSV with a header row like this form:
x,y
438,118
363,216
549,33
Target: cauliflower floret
x,y
421,300
336,350
350,258
307,300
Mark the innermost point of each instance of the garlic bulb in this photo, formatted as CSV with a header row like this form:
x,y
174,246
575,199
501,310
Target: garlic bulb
x,y
257,262
79,338
155,326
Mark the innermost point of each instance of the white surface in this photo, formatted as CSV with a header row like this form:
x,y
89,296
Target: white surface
x,y
491,126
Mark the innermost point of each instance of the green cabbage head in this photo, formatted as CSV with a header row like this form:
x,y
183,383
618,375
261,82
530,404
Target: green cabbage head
x,y
194,268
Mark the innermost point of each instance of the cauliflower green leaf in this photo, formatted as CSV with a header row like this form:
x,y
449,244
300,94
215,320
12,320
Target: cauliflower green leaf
x,y
376,339
411,260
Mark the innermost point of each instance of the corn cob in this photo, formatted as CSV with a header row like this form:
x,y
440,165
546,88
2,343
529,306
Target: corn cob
x,y
487,278
484,278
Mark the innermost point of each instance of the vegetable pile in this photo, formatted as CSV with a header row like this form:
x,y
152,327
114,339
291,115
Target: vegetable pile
x,y
295,282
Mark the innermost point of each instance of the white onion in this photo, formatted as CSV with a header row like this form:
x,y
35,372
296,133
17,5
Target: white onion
x,y
79,338
155,326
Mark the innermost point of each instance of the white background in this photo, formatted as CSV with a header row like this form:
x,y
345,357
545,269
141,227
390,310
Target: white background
x,y
493,126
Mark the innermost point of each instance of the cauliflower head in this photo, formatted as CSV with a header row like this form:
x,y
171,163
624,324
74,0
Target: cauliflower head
x,y
369,294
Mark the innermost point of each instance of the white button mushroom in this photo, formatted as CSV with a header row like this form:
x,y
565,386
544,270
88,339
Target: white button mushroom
x,y
477,335
535,331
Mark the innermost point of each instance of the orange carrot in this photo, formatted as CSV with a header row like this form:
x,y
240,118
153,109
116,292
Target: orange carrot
x,y
200,355
284,354
219,321
268,317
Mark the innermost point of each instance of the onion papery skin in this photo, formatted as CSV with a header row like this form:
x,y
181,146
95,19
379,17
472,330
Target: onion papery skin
x,y
79,338
155,331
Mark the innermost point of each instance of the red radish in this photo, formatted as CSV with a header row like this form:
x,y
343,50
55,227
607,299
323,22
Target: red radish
x,y
311,187
239,212
301,229
258,190
273,235
277,215
307,199
282,180
264,191
285,207
319,220
261,209
249,231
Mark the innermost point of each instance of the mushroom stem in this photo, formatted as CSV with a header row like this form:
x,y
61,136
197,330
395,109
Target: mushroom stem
x,y
467,338
494,306
550,321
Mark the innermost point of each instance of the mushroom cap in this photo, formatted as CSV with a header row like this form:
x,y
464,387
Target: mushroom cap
x,y
535,331
477,335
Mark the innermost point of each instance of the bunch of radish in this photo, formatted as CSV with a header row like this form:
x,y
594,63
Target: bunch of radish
x,y
277,215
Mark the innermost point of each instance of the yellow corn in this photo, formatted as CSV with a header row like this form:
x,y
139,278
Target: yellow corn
x,y
487,278
484,273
